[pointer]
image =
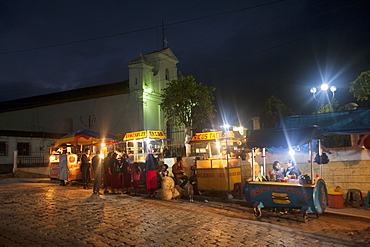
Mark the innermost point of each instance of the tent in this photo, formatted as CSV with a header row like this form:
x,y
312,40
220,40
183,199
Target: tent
x,y
356,122
298,130
84,137
280,140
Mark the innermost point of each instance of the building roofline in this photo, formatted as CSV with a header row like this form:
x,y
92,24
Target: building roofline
x,y
79,94
34,134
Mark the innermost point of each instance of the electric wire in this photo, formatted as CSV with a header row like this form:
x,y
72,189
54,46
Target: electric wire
x,y
137,30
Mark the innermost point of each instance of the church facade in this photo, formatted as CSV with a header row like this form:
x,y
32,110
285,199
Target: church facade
x,y
115,108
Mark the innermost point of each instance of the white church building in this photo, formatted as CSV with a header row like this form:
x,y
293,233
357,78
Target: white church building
x,y
115,108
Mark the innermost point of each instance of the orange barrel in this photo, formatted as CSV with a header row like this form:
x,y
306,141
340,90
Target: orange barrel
x,y
335,198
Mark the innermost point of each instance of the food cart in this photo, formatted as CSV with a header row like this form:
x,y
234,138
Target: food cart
x,y
139,144
67,149
219,170
307,194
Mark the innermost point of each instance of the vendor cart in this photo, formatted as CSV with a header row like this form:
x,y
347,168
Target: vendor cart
x,y
139,144
219,170
66,150
308,198
306,194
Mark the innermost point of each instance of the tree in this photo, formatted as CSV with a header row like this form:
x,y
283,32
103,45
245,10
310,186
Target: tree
x,y
334,140
273,110
333,106
187,103
361,87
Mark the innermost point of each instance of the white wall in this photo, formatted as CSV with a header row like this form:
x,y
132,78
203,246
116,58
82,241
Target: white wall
x,y
113,115
38,146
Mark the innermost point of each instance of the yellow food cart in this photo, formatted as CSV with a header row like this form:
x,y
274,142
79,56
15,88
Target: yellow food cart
x,y
219,170
139,144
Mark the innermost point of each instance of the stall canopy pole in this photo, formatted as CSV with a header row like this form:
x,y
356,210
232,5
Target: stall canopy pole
x,y
253,164
264,162
320,157
227,163
311,159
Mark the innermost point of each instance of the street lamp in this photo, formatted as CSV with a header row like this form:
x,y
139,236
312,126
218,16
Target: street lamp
x,y
324,89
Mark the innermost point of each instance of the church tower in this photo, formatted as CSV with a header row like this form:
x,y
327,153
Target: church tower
x,y
147,77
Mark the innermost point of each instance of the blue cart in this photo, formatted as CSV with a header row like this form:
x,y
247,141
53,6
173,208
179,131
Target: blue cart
x,y
308,198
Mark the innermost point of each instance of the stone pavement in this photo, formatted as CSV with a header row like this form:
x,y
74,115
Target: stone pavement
x,y
35,212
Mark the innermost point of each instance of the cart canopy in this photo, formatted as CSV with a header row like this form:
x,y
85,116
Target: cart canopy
x,y
84,137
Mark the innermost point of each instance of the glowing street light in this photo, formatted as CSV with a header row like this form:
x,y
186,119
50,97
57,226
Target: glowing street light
x,y
324,89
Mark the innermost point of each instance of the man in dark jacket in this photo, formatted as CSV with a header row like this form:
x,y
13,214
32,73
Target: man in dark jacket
x,y
98,171
85,168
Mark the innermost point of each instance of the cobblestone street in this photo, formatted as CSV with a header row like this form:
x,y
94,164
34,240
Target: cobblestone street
x,y
46,214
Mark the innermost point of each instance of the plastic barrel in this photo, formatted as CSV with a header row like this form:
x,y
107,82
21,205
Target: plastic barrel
x,y
335,201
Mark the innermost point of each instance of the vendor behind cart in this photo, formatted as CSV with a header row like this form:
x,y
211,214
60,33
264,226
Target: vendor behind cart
x,y
278,172
292,170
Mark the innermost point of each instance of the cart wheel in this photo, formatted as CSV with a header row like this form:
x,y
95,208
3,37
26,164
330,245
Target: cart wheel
x,y
224,195
257,212
305,218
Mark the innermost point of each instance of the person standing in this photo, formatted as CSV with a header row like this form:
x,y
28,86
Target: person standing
x,y
63,169
126,164
178,171
98,170
85,168
115,168
150,174
107,178
135,178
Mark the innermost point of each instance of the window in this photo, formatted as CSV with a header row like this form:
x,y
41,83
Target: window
x,y
3,149
167,75
23,148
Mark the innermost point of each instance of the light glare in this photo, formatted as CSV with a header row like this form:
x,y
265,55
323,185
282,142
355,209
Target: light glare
x,y
324,87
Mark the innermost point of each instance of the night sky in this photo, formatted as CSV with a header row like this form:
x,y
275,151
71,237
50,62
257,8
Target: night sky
x,y
248,50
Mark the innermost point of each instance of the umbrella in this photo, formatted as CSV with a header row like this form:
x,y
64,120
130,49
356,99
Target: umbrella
x,y
84,137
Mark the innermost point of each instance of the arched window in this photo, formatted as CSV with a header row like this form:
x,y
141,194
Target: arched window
x,y
167,75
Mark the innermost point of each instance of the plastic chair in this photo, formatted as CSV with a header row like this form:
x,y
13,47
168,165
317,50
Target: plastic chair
x,y
367,200
354,195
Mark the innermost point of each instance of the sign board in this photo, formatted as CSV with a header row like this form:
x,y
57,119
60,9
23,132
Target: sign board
x,y
210,136
216,179
74,171
153,134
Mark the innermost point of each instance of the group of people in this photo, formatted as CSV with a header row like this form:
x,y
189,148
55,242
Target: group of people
x,y
114,172
279,172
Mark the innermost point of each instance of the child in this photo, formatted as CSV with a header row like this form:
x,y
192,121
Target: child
x,y
135,177
164,171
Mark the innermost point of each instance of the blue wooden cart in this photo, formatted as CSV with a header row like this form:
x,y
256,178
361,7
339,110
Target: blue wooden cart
x,y
309,196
